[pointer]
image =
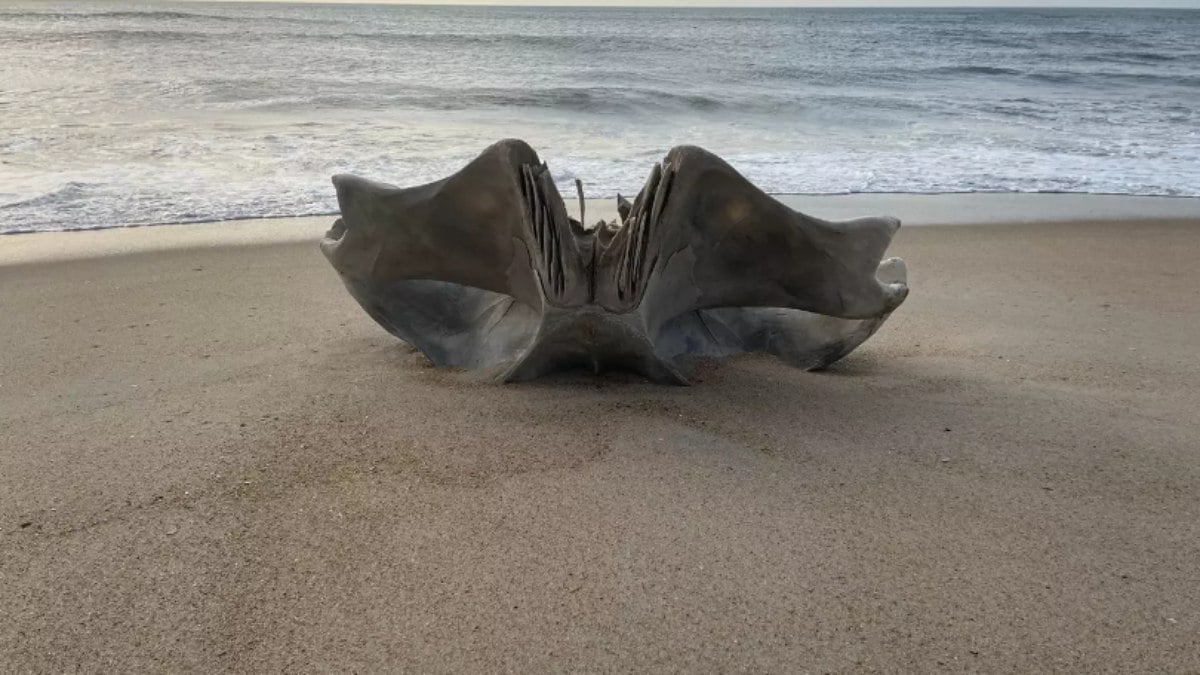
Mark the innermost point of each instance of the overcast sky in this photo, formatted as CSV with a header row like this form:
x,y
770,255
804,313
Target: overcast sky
x,y
1190,4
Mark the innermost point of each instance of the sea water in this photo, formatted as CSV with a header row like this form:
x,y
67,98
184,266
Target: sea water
x,y
114,114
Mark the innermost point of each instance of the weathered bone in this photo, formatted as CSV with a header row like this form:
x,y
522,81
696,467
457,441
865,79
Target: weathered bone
x,y
485,270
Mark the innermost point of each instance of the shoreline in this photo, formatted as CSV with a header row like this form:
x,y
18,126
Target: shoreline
x,y
953,209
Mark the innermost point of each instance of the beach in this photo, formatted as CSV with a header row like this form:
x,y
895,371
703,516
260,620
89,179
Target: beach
x,y
212,459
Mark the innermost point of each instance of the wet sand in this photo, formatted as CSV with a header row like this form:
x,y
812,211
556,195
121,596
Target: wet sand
x,y
212,459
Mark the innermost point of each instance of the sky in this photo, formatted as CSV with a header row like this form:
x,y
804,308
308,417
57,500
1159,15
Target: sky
x,y
1189,4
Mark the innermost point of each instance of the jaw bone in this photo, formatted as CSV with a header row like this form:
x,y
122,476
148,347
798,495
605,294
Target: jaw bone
x,y
485,270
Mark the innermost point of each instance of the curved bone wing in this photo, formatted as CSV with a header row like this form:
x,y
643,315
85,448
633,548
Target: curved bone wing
x,y
483,227
714,240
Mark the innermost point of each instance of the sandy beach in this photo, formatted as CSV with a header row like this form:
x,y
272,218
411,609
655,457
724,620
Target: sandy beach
x,y
211,459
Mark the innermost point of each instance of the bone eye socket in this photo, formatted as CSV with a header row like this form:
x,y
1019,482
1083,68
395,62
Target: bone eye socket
x,y
337,230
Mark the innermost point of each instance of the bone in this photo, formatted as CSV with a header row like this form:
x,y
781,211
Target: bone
x,y
702,264
623,208
582,203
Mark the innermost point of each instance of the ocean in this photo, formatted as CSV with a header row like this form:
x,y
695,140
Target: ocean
x,y
127,114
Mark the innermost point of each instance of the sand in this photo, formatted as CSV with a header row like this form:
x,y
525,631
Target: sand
x,y
211,459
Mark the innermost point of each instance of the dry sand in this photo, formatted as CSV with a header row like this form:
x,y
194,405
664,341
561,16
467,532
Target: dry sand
x,y
211,459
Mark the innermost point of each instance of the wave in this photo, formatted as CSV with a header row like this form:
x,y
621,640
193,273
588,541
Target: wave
x,y
1102,77
1082,35
68,192
507,41
429,42
156,14
586,99
159,15
149,14
112,34
596,99
974,70
1055,78
976,38
1131,57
